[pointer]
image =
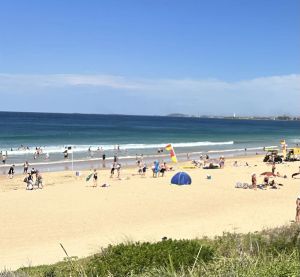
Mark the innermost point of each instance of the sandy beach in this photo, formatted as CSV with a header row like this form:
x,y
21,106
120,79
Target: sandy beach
x,y
70,211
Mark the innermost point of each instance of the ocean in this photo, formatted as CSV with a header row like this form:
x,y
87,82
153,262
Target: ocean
x,y
131,136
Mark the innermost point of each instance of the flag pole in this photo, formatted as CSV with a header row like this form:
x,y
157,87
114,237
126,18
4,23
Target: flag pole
x,y
72,159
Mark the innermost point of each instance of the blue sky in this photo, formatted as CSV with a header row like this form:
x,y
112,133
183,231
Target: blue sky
x,y
150,57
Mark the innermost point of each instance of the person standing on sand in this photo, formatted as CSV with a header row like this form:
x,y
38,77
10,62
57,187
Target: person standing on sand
x,y
254,181
11,171
95,178
273,168
26,165
297,219
103,160
112,170
4,159
118,168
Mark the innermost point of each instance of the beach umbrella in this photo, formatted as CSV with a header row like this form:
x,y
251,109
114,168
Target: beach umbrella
x,y
181,178
267,173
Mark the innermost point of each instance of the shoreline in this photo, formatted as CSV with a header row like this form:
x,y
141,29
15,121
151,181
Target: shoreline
x,y
128,161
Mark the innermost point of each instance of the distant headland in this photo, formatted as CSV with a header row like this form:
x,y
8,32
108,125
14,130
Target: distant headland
x,y
280,117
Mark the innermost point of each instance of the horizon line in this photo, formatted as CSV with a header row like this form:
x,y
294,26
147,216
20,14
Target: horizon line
x,y
153,115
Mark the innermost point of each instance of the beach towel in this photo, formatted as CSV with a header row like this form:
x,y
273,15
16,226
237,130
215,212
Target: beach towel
x,y
240,185
89,177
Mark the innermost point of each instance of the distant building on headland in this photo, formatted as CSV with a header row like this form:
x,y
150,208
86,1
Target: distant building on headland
x,y
234,116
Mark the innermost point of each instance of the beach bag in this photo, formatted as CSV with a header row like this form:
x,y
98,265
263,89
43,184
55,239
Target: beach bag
x,y
239,185
25,180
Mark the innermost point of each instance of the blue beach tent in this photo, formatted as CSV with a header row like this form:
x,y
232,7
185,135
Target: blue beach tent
x,y
181,178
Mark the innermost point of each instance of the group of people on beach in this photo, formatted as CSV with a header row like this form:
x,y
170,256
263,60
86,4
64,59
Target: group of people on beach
x,y
159,169
33,179
206,163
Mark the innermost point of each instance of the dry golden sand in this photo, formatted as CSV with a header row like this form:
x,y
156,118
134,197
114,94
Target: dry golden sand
x,y
84,219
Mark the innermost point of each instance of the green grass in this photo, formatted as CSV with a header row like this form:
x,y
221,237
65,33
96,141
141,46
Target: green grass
x,y
274,252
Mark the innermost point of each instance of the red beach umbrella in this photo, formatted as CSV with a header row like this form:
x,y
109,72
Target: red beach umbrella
x,y
267,173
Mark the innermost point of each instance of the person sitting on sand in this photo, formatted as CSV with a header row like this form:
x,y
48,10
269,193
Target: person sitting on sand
x,y
266,181
254,181
279,175
273,185
235,164
162,169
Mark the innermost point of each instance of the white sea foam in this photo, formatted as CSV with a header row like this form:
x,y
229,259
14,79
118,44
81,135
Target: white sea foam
x,y
84,148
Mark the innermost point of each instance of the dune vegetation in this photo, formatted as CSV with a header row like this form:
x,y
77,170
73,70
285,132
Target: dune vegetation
x,y
272,252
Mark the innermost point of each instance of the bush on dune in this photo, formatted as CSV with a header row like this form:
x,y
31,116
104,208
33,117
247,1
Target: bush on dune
x,y
136,258
270,253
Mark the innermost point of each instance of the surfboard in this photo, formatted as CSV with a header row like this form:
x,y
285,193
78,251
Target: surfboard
x,y
89,177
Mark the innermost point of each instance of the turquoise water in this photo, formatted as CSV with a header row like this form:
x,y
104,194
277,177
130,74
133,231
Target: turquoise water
x,y
134,135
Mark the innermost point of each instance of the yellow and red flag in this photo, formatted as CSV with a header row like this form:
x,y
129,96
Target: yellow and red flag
x,y
170,148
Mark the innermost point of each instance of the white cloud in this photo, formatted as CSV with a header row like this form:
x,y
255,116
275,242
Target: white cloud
x,y
64,80
119,82
263,95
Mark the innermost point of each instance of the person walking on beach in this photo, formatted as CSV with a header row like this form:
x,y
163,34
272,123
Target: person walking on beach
x,y
297,219
29,182
95,178
26,165
103,160
118,168
254,181
11,171
39,180
4,159
112,171
115,158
